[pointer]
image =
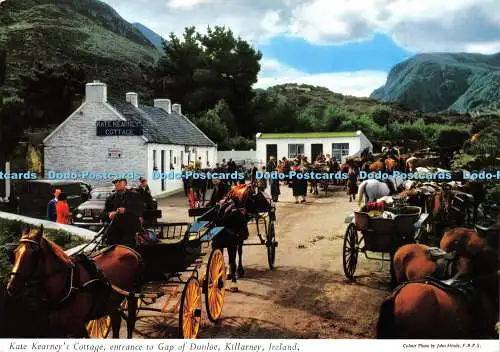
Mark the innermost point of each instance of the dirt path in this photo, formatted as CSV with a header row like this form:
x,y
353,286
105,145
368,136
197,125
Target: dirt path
x,y
307,295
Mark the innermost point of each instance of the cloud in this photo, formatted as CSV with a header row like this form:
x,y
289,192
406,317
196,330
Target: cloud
x,y
359,83
186,3
417,25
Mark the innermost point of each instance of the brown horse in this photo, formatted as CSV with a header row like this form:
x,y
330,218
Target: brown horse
x,y
433,309
462,252
74,290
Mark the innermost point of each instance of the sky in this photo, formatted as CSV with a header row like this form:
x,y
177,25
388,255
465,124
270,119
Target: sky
x,y
348,46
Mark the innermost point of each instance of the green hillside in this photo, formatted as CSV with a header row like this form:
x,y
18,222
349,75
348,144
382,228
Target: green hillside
x,y
444,81
85,33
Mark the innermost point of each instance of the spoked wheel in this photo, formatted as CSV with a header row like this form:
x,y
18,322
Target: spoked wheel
x,y
125,304
99,328
271,245
215,285
190,310
350,251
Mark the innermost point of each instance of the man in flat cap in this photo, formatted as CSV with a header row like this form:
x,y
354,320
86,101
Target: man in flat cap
x,y
125,207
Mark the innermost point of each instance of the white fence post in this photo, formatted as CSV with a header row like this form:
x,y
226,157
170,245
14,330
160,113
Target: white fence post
x,y
7,181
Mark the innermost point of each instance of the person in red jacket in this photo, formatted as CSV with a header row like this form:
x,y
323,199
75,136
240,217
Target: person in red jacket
x,y
62,210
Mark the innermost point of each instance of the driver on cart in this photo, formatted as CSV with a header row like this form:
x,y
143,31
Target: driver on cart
x,y
125,208
219,191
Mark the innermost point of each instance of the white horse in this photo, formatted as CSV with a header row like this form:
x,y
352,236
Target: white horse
x,y
370,190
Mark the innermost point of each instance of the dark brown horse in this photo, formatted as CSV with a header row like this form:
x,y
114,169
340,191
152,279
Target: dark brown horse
x,y
432,309
74,290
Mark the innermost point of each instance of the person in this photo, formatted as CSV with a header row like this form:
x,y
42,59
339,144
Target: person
x,y
352,183
184,180
219,192
145,192
299,187
51,206
275,187
62,210
262,182
198,164
231,167
125,208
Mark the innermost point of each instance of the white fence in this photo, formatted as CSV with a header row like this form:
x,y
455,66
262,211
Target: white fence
x,y
237,155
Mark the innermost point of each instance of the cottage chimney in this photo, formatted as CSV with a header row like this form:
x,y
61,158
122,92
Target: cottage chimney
x,y
96,92
132,98
176,108
164,104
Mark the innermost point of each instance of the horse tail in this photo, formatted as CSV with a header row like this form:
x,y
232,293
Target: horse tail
x,y
386,325
361,193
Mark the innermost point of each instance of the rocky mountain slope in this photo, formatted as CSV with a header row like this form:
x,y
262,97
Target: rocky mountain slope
x,y
444,81
87,33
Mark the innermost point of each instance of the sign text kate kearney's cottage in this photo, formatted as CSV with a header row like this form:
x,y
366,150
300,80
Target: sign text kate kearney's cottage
x,y
118,128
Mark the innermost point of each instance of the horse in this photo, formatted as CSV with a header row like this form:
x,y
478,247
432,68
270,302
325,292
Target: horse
x,y
458,309
370,190
74,290
462,252
231,214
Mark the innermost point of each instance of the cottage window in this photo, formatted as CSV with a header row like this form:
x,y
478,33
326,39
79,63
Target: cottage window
x,y
294,150
155,168
340,150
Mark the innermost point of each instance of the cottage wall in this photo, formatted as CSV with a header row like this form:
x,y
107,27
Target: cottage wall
x,y
75,147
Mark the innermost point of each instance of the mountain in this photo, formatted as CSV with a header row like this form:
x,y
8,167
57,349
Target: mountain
x,y
435,82
83,33
152,36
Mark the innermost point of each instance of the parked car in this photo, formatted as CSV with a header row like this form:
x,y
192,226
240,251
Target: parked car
x,y
32,197
89,213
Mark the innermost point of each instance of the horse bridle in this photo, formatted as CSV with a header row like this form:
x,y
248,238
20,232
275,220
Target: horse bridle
x,y
40,279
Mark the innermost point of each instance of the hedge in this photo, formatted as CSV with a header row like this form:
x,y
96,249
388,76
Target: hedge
x,y
10,231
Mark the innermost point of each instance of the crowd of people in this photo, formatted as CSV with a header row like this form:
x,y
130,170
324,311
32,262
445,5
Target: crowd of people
x,y
299,164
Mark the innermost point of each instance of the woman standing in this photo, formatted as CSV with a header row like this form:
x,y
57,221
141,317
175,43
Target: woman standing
x,y
62,210
299,186
352,183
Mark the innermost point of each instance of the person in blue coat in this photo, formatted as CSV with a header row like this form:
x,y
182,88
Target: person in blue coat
x,y
51,206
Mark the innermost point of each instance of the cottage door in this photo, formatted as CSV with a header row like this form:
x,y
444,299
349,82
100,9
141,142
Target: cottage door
x,y
316,149
271,150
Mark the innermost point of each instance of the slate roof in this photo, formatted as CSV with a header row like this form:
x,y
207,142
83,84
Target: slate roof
x,y
161,127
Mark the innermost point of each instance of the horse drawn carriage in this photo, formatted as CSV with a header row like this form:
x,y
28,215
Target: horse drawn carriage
x,y
380,232
180,265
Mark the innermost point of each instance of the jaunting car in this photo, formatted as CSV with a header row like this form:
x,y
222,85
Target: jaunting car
x,y
89,213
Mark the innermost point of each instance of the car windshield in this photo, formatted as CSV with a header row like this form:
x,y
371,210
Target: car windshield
x,y
99,195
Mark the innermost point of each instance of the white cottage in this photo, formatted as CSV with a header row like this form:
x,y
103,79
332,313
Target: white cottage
x,y
289,145
87,142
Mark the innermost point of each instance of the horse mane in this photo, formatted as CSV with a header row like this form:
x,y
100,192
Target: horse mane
x,y
58,252
238,192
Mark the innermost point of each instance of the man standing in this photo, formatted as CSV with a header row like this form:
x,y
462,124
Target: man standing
x,y
51,206
125,207
145,193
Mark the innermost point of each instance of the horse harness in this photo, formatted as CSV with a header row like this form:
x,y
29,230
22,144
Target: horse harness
x,y
445,262
70,288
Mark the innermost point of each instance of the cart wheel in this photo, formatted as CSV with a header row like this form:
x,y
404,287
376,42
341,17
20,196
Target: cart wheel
x,y
350,251
271,245
99,328
190,310
215,285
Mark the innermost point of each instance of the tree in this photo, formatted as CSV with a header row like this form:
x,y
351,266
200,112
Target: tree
x,y
51,93
199,70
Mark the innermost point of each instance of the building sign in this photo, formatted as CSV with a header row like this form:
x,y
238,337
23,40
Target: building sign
x,y
114,153
118,128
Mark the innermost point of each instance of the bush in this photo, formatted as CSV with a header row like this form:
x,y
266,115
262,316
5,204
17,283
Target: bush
x,y
10,231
